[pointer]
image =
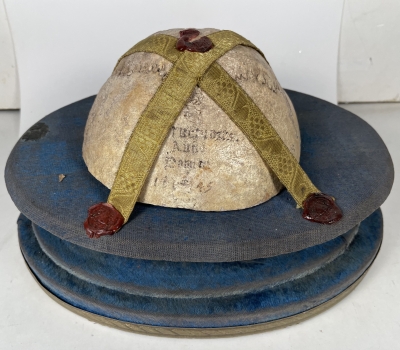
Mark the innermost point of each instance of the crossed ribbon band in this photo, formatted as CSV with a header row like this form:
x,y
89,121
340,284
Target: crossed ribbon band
x,y
191,69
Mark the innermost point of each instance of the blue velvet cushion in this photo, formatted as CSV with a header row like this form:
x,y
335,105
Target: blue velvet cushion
x,y
153,299
186,279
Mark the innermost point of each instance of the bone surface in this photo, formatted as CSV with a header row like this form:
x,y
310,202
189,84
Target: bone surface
x,y
206,163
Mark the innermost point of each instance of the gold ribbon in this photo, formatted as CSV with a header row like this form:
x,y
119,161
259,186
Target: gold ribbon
x,y
164,45
189,70
161,112
235,102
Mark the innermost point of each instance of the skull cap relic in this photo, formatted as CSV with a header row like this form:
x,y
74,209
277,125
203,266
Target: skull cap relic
x,y
191,157
206,162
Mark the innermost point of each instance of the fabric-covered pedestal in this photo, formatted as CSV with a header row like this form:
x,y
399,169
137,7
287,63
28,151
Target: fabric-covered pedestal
x,y
185,273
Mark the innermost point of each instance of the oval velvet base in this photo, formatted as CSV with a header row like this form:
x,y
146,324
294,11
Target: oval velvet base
x,y
246,312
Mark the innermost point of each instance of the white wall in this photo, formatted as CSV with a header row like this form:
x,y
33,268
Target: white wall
x,y
369,57
369,54
66,49
9,90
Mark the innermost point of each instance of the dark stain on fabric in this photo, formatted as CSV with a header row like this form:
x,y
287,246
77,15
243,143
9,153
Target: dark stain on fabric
x,y
35,132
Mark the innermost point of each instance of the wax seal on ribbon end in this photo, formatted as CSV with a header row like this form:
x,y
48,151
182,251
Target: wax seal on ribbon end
x,y
321,208
103,219
202,45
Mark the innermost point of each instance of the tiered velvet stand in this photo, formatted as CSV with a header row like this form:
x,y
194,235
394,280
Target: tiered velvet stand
x,y
176,272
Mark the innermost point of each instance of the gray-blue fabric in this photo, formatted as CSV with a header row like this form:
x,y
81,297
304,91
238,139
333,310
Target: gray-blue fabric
x,y
341,153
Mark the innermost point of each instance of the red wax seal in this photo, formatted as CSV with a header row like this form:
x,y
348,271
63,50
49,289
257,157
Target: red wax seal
x,y
185,42
321,208
103,219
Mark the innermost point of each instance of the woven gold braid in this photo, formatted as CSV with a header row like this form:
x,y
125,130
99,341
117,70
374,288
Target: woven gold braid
x,y
191,69
161,112
164,45
235,102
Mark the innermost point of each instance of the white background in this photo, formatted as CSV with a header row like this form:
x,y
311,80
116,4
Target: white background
x,y
368,69
369,55
9,92
66,50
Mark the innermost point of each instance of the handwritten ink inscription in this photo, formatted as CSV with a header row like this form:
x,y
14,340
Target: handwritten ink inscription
x,y
203,134
188,147
173,162
188,152
200,186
